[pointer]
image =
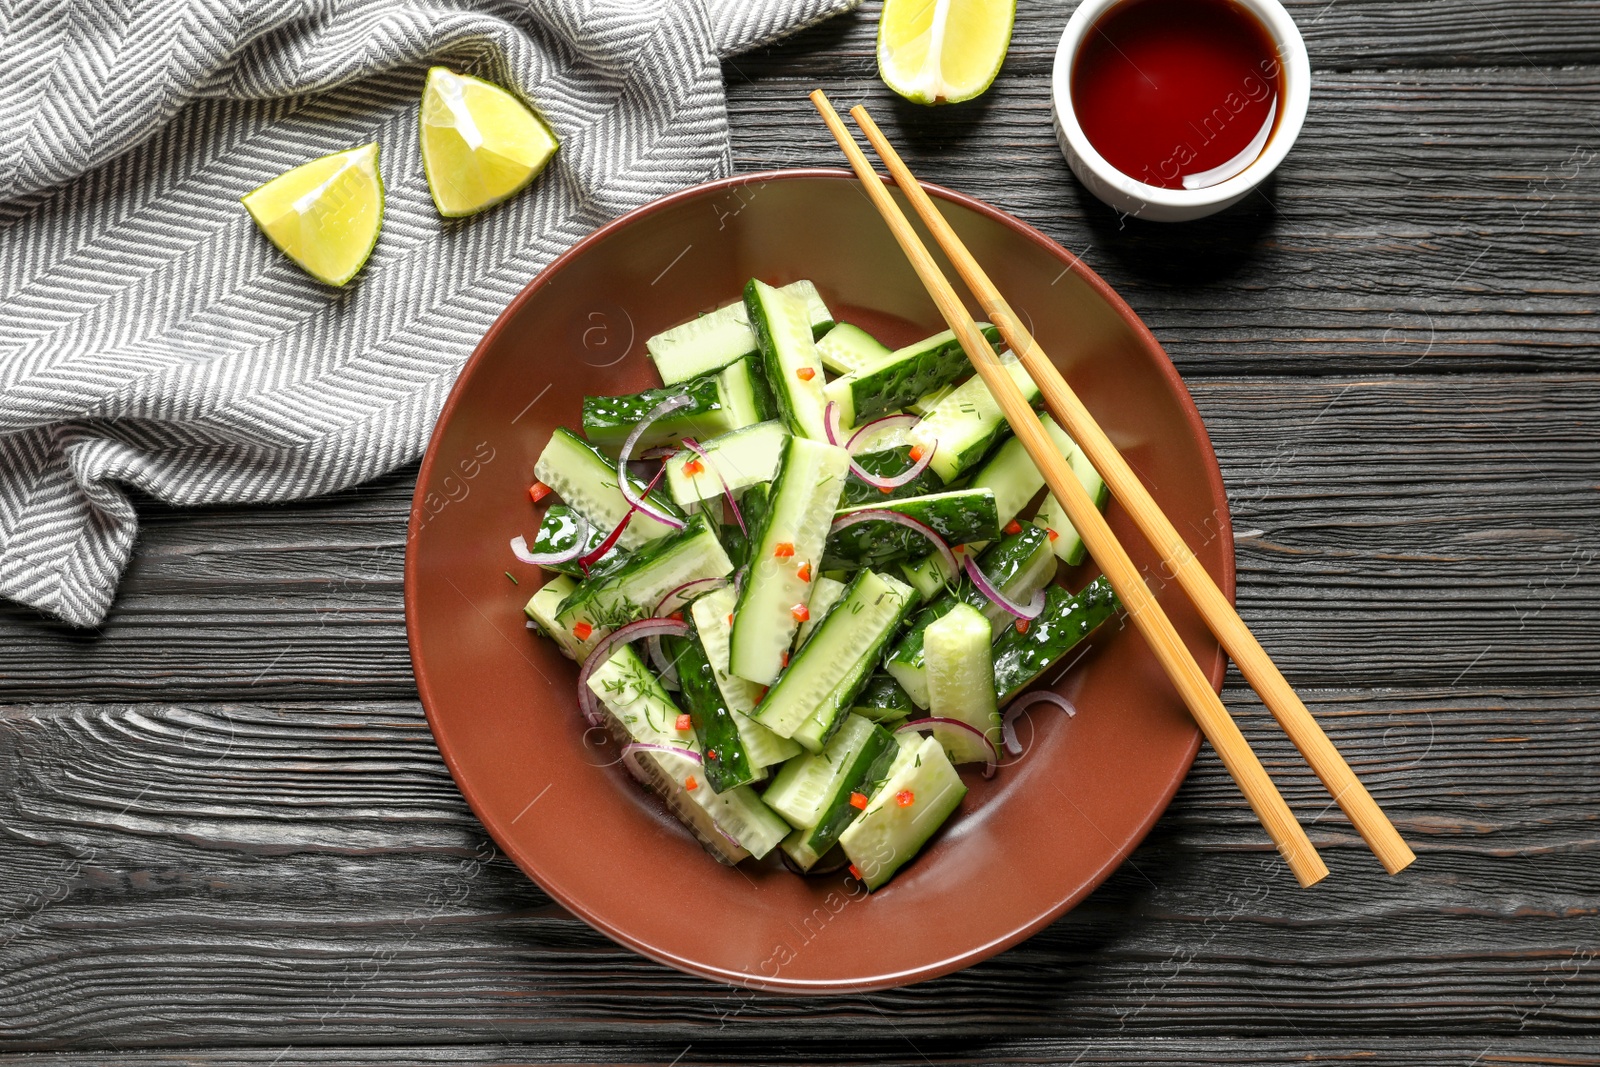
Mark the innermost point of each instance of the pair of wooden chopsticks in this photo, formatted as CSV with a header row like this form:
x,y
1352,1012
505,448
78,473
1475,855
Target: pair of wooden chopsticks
x,y
1253,662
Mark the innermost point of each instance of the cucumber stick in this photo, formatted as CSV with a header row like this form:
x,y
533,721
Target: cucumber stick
x,y
846,348
762,747
789,357
963,425
930,576
720,337
641,710
814,792
721,745
718,403
825,593
1011,474
586,480
961,671
903,376
1021,657
542,608
634,588
958,516
785,553
1069,545
921,791
738,460
810,696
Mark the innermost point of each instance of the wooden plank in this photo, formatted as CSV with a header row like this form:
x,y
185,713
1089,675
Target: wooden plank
x,y
1391,531
1341,35
1397,237
251,874
1521,1050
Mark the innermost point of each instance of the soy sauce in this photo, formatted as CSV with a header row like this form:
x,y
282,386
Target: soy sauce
x,y
1169,90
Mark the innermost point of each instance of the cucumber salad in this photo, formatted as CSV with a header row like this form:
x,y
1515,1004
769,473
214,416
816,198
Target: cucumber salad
x,y
799,583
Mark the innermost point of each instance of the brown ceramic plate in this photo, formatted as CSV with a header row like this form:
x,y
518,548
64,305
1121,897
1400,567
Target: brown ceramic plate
x,y
1025,846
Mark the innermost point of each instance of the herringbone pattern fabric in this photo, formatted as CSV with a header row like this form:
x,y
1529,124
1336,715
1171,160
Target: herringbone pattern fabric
x,y
150,337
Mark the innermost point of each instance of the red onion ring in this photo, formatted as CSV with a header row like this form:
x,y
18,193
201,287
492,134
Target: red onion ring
x,y
633,749
666,670
1032,610
605,546
694,446
588,703
870,514
918,725
1014,710
855,441
830,423
637,502
520,549
663,608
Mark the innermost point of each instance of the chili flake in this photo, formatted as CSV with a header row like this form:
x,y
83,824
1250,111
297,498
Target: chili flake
x,y
783,549
800,612
690,783
805,374
905,798
858,800
804,572
1022,626
1013,527
693,467
1052,533
538,491
684,722
915,453
582,631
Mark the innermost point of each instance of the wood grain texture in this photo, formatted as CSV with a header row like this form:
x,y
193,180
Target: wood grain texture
x,y
1400,236
1390,531
1341,35
249,874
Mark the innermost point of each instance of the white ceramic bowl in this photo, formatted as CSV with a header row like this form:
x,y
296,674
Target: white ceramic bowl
x,y
1133,197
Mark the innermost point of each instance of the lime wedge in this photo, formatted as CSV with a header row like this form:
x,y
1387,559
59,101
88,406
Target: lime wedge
x,y
324,215
943,51
480,144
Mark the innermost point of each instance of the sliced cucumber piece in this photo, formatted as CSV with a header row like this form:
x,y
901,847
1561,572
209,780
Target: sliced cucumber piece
x,y
560,529
807,787
586,479
718,403
920,793
787,545
958,516
1011,474
1021,657
720,337
930,576
930,400
846,348
823,677
789,357
634,588
744,816
903,376
640,708
961,670
887,462
961,743
668,775
542,608
743,458
966,423
825,593
883,700
712,615
1069,546
808,844
721,745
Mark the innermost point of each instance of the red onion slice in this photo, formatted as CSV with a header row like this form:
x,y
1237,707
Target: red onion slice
x,y
935,724
1030,610
666,670
694,446
520,549
631,752
587,701
1014,710
684,593
830,423
605,546
637,502
865,430
871,514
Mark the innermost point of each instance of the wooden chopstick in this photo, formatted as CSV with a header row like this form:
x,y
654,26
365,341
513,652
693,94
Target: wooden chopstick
x,y
1219,728
1224,621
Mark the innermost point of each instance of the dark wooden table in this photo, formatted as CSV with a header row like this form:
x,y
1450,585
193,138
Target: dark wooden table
x,y
228,837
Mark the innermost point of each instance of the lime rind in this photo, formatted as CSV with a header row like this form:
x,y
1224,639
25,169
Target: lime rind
x,y
281,211
458,185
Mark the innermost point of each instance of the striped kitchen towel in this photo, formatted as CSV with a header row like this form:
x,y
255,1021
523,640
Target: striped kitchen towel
x,y
151,337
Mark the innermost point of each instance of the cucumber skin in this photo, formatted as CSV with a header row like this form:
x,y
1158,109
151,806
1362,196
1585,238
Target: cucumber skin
x,y
888,463
736,542
559,529
714,725
919,373
882,700
970,516
1068,618
607,420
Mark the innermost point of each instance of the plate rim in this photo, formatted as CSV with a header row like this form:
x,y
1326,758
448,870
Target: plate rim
x,y
1215,673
